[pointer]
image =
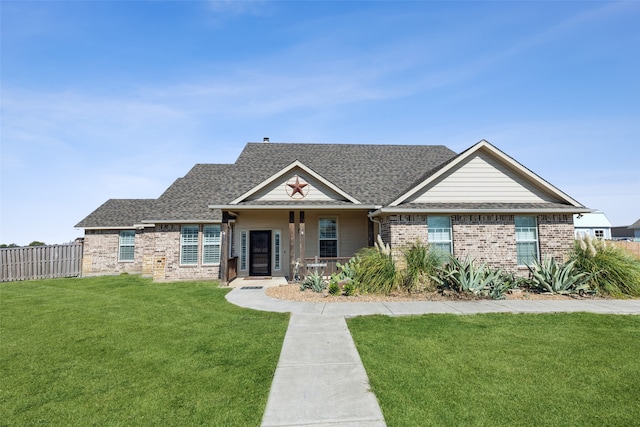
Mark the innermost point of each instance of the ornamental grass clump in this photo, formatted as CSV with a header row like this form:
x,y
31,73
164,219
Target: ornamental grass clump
x,y
376,272
422,265
612,270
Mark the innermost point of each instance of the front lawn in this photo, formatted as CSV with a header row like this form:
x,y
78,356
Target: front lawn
x,y
125,351
503,369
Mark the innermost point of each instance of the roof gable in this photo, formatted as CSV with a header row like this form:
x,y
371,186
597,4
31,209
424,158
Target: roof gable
x,y
373,174
483,174
293,183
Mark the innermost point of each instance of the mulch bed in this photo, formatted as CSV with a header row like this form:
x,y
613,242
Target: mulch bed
x,y
292,292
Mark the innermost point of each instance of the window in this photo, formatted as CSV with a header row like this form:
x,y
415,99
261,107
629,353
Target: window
x,y
189,244
211,244
526,239
276,249
243,250
439,234
328,237
599,234
126,245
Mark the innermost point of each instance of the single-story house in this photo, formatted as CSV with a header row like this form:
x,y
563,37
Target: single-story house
x,y
282,207
595,225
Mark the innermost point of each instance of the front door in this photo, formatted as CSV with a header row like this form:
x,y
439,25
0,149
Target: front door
x,y
260,253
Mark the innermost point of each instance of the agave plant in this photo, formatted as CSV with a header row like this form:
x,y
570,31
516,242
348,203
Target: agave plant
x,y
465,276
314,281
550,276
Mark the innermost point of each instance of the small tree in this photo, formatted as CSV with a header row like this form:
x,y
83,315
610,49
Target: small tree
x,y
36,243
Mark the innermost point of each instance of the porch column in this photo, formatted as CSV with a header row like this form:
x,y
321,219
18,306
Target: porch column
x,y
292,244
370,232
224,249
302,239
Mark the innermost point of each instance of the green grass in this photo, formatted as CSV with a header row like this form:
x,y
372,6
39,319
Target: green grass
x,y
503,369
125,351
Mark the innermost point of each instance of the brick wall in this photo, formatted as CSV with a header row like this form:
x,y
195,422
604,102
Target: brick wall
x,y
165,257
487,238
101,253
157,255
401,231
555,235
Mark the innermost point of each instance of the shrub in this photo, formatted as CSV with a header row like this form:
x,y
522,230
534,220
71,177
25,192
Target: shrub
x,y
550,276
421,267
375,271
349,289
334,288
612,270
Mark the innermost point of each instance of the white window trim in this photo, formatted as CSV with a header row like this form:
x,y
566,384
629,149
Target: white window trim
x,y
277,250
450,229
536,240
182,245
337,238
121,245
206,244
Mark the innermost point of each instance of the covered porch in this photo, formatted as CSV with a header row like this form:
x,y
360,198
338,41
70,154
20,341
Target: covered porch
x,y
287,243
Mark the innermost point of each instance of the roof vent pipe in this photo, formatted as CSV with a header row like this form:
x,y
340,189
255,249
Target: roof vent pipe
x,y
265,140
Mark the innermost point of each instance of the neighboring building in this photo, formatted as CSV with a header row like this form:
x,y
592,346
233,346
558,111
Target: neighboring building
x,y
627,232
595,224
281,205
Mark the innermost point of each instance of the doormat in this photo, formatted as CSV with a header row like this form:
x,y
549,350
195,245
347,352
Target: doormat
x,y
258,278
251,287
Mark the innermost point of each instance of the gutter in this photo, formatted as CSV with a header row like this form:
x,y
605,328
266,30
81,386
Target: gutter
x,y
291,207
477,211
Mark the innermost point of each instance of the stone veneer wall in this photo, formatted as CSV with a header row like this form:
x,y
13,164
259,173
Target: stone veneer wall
x,y
487,238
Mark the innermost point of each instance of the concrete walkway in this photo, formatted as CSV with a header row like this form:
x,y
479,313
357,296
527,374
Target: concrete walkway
x,y
320,380
258,300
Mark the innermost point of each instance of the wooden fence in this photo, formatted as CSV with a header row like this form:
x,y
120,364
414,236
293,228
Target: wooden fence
x,y
40,262
632,247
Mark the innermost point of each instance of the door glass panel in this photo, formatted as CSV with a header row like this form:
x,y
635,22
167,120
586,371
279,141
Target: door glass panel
x,y
260,253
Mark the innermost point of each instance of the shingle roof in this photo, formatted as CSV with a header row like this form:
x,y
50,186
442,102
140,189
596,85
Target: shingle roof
x,y
373,174
118,213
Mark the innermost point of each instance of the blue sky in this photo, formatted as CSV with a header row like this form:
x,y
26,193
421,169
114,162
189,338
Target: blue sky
x,y
117,99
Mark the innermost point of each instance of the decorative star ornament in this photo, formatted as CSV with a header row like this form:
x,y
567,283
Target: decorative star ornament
x,y
297,189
